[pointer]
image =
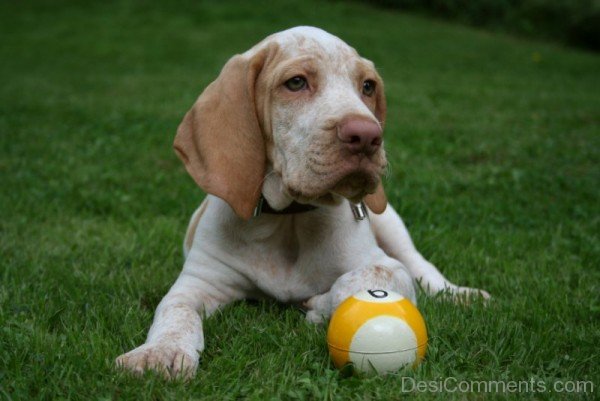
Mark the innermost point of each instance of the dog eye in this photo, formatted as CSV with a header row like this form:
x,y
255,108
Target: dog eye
x,y
368,87
296,84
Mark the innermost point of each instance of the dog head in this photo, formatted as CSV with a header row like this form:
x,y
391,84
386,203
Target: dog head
x,y
302,108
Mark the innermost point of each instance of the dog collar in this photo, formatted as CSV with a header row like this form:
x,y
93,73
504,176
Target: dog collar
x,y
293,208
359,210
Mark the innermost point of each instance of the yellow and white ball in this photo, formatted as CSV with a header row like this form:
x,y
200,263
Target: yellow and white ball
x,y
377,331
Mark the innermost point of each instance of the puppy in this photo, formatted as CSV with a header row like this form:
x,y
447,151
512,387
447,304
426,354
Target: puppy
x,y
288,144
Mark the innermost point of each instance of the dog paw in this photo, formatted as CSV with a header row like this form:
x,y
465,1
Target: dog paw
x,y
315,317
318,308
169,360
466,295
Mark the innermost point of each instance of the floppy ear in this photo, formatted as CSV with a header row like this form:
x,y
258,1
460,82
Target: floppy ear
x,y
380,102
377,201
220,139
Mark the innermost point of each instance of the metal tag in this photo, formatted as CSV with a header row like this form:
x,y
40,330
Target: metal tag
x,y
359,211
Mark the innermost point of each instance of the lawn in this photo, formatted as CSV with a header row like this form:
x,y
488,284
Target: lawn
x,y
494,146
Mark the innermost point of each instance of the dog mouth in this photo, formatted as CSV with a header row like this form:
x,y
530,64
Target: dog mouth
x,y
351,178
356,185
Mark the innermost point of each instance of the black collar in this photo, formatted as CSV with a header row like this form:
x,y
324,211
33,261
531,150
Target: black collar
x,y
359,210
294,207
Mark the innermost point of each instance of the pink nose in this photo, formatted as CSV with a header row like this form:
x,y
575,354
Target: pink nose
x,y
360,135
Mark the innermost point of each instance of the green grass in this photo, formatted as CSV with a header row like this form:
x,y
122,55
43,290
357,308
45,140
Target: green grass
x,y
493,143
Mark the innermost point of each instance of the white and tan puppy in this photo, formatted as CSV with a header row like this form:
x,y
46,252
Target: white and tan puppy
x,y
296,120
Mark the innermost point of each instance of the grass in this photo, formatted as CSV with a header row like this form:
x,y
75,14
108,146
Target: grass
x,y
494,147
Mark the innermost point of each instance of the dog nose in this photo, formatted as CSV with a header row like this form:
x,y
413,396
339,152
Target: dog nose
x,y
360,135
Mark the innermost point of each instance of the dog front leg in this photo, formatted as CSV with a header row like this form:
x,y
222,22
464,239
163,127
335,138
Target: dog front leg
x,y
393,237
386,274
176,337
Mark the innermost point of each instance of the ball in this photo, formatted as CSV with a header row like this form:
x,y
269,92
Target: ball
x,y
378,331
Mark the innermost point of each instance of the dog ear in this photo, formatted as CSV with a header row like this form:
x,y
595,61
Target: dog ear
x,y
380,102
220,139
377,202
